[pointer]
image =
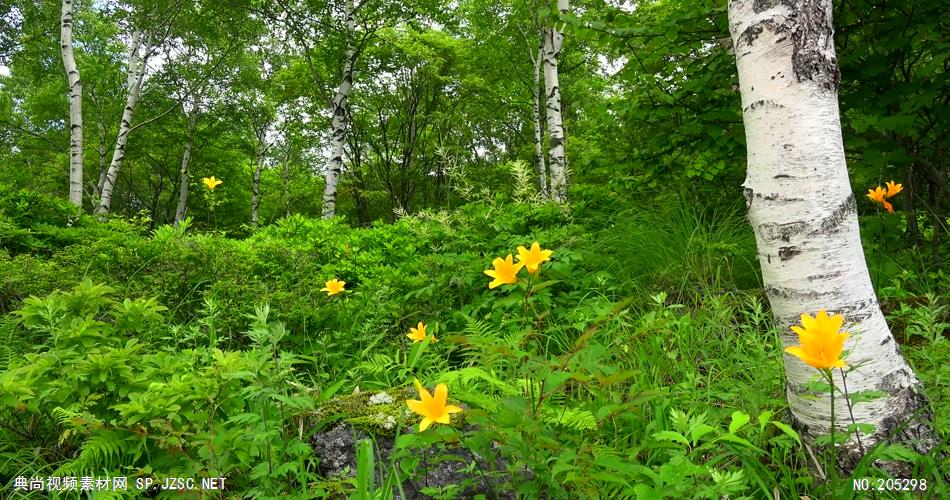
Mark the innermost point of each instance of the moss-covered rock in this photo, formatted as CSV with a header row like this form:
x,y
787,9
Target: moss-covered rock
x,y
378,413
345,421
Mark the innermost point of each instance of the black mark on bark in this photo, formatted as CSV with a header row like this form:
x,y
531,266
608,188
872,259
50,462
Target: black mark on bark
x,y
809,24
773,231
788,293
786,253
844,211
824,276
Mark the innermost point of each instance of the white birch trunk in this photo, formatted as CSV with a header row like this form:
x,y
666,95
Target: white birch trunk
x,y
805,220
335,166
136,72
256,181
102,150
75,104
185,163
538,131
553,38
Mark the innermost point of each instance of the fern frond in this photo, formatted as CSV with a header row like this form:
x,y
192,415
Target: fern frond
x,y
573,418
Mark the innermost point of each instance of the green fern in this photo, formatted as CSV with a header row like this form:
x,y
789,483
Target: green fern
x,y
104,451
573,418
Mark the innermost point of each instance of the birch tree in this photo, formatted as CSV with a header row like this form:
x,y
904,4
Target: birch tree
x,y
553,38
260,132
185,164
338,109
75,104
538,128
138,55
804,217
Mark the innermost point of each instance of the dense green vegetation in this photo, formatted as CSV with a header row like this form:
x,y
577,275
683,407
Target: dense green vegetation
x,y
197,355
642,361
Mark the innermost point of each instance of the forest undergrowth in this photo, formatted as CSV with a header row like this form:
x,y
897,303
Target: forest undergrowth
x,y
638,360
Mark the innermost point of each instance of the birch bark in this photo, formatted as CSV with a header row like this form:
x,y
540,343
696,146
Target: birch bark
x,y
804,216
136,73
75,103
553,39
185,164
102,150
536,92
256,181
335,166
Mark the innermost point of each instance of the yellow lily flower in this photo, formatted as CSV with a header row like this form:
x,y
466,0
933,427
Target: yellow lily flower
x,y
432,408
533,258
893,189
417,334
211,182
821,342
505,272
333,287
878,195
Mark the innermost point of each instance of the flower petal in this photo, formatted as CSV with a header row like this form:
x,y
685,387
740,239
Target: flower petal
x,y
426,422
441,394
416,406
443,419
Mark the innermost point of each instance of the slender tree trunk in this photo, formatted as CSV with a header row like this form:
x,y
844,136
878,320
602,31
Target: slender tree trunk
x,y
75,104
185,162
285,174
339,119
536,92
805,221
553,38
256,181
103,150
136,72
910,207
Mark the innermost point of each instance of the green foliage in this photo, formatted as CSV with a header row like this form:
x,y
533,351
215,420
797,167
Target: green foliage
x,y
587,380
641,363
103,397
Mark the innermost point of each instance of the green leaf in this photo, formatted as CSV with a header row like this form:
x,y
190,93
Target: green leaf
x,y
670,436
866,396
554,380
787,430
699,431
739,419
861,427
329,392
764,418
736,439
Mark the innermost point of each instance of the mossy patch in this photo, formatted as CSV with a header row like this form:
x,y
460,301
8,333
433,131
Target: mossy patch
x,y
378,413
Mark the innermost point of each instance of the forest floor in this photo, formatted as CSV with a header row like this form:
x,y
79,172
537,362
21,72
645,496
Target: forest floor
x,y
640,361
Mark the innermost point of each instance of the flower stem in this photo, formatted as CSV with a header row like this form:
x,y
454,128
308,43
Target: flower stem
x,y
847,399
833,474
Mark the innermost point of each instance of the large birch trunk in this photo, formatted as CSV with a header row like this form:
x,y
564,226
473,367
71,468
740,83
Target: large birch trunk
x,y
335,166
136,72
75,104
185,163
536,92
256,181
553,38
805,221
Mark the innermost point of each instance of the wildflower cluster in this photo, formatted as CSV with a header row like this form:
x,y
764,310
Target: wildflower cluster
x,y
880,195
505,270
434,408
